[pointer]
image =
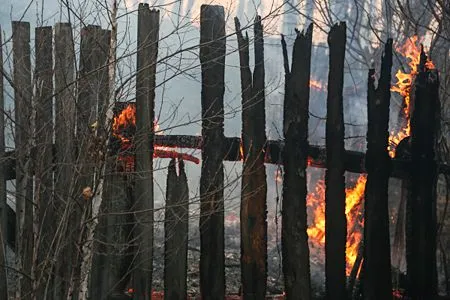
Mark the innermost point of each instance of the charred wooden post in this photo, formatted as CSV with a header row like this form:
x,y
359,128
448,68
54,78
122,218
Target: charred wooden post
x,y
3,204
23,133
253,215
421,263
45,208
65,110
147,43
212,59
335,220
176,233
377,259
294,237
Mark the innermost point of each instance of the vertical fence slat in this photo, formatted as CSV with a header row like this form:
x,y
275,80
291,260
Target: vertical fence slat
x,y
253,215
65,109
23,132
44,157
147,43
3,204
335,221
176,233
212,58
295,247
421,265
377,261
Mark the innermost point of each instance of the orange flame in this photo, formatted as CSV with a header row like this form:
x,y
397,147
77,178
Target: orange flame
x,y
126,118
315,84
411,50
353,200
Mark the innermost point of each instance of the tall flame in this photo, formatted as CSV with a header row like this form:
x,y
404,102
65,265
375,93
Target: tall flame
x,y
353,212
411,50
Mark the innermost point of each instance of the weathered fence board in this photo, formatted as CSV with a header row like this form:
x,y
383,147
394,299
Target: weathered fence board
x,y
253,214
64,158
147,43
43,169
336,224
3,204
421,261
212,59
377,261
23,133
176,233
294,237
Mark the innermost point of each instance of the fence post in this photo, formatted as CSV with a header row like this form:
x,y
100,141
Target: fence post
x,y
377,261
65,155
176,233
421,261
3,203
294,237
45,219
24,179
147,43
212,58
335,220
253,215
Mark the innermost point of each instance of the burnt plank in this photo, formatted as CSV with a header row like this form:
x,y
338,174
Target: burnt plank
x,y
377,260
294,237
335,220
176,233
421,246
253,214
147,37
212,59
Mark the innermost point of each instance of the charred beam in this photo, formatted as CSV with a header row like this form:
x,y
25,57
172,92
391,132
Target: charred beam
x,y
147,43
176,233
212,59
421,261
336,223
377,260
294,237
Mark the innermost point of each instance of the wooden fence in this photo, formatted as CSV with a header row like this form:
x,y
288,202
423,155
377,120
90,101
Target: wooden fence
x,y
61,169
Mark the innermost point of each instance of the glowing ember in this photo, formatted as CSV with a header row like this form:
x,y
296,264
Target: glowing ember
x,y
411,50
278,176
353,199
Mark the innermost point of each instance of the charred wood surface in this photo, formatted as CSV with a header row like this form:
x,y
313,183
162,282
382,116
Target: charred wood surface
x,y
147,39
176,233
23,136
3,204
253,214
64,158
421,249
294,237
377,281
336,223
212,59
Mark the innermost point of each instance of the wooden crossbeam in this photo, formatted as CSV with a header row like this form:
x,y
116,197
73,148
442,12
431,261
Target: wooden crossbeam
x,y
354,160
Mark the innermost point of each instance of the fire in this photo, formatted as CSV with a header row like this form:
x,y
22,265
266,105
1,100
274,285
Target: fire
x,y
127,119
411,50
353,203
315,84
